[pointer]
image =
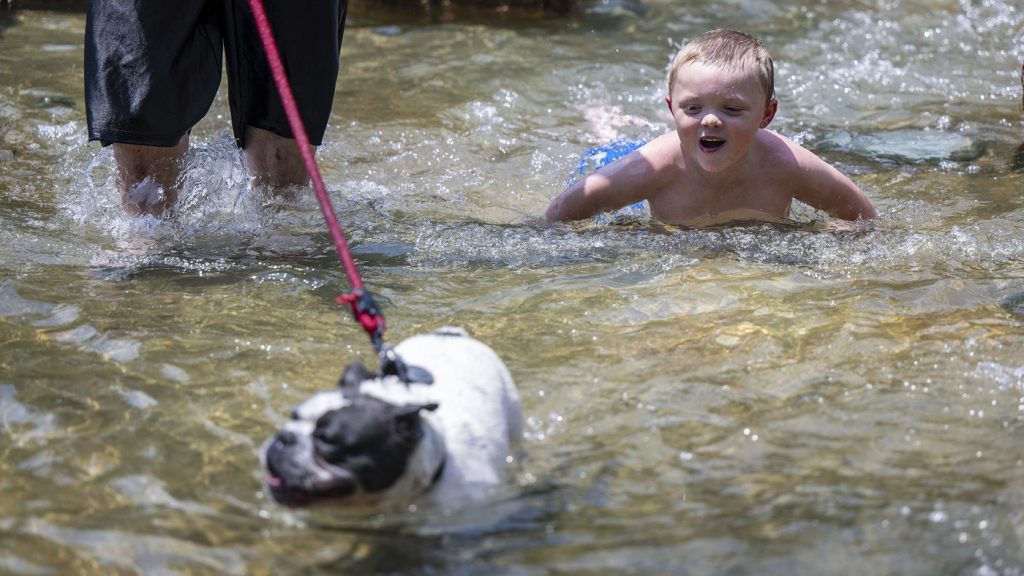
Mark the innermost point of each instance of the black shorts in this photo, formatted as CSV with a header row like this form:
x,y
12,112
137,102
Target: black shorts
x,y
153,67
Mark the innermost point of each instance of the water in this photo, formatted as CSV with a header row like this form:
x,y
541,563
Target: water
x,y
750,400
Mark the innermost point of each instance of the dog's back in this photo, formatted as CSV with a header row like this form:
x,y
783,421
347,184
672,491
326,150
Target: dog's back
x,y
479,412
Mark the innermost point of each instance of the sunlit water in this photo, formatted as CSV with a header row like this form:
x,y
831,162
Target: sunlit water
x,y
747,400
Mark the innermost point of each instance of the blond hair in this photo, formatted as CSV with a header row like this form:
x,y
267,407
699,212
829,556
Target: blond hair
x,y
731,50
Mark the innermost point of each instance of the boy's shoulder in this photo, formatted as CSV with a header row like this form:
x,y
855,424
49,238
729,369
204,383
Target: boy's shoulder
x,y
782,154
662,153
666,145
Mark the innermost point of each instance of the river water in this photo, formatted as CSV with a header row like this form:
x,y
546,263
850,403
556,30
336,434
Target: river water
x,y
757,399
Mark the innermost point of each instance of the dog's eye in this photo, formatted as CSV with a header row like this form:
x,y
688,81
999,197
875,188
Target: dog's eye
x,y
327,442
322,437
330,448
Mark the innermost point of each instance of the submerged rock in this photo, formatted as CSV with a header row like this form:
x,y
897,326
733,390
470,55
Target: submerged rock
x,y
914,146
1014,304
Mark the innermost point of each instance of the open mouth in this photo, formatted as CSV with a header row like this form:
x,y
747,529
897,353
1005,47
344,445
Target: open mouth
x,y
287,495
315,491
711,143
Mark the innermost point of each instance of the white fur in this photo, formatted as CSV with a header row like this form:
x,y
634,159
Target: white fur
x,y
479,415
477,420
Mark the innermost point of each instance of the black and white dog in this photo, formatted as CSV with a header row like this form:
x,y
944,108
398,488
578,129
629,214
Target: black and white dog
x,y
445,433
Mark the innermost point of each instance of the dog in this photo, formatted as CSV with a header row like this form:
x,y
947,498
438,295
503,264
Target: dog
x,y
442,431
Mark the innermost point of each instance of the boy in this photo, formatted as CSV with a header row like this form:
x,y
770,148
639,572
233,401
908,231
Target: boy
x,y
720,164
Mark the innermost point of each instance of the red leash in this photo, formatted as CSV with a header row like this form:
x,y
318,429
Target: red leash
x,y
364,308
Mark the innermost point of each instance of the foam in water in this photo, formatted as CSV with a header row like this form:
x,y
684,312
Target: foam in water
x,y
218,213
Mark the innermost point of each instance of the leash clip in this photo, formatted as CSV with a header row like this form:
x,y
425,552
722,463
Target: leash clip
x,y
367,313
391,364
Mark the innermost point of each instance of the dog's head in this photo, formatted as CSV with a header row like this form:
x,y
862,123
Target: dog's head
x,y
346,447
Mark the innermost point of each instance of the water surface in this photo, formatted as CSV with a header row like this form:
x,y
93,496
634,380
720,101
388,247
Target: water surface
x,y
756,399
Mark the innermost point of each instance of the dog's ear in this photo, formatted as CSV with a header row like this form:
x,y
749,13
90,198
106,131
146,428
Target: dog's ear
x,y
407,419
354,375
410,410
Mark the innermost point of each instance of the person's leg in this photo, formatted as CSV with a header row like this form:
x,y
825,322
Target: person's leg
x,y
147,176
152,70
308,34
273,161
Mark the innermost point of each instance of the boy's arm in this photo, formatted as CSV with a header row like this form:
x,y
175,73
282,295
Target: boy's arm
x,y
825,188
618,184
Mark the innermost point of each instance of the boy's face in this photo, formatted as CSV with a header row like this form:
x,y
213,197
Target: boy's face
x,y
717,114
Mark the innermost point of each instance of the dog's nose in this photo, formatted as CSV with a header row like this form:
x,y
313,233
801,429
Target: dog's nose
x,y
286,437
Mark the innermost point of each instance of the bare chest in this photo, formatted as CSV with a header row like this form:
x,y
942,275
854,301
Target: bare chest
x,y
689,204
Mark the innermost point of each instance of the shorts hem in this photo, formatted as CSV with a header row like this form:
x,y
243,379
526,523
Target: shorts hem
x,y
108,137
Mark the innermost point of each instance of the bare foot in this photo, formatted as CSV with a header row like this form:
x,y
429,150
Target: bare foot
x,y
145,197
273,161
148,176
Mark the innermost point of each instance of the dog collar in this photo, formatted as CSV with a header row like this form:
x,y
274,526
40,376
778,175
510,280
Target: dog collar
x,y
437,473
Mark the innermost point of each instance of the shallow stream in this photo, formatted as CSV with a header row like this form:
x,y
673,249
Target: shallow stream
x,y
756,399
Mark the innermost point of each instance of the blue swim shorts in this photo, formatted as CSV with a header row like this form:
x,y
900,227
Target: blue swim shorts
x,y
598,156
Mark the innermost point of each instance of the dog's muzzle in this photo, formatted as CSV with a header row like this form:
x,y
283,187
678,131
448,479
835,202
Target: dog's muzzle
x,y
294,480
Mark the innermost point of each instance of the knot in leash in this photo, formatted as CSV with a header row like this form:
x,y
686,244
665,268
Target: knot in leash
x,y
367,313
